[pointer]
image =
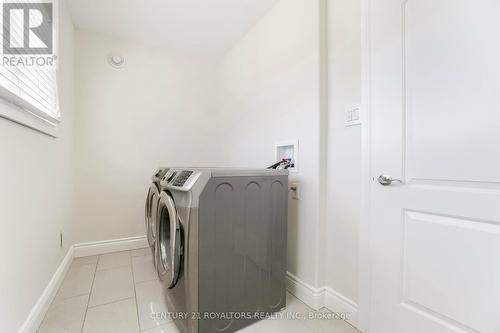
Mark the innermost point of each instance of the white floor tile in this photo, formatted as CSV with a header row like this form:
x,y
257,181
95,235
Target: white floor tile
x,y
141,252
329,326
143,269
86,260
150,301
323,324
114,260
65,316
294,305
248,329
118,317
169,328
77,282
278,326
112,285
112,306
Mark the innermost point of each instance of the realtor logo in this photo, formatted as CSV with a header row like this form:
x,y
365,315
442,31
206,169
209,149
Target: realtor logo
x,y
27,28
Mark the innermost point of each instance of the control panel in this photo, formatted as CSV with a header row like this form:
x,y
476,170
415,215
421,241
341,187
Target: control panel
x,y
179,179
160,173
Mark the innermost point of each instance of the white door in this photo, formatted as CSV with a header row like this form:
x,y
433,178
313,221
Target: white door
x,y
435,124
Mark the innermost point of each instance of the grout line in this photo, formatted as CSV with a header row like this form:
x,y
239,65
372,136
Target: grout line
x,y
90,263
303,303
146,281
112,302
135,293
107,269
90,294
140,256
62,284
120,266
68,298
169,323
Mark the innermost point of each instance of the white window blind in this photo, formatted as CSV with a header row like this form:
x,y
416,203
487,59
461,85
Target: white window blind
x,y
33,86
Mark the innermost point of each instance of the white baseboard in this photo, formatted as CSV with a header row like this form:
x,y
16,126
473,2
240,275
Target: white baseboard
x,y
35,317
108,246
313,297
339,303
324,297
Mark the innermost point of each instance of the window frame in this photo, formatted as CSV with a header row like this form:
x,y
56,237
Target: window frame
x,y
20,111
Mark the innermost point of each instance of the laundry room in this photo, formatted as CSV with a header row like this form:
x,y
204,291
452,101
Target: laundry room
x,y
198,166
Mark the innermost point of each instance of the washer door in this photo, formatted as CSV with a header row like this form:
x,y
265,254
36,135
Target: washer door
x,y
169,241
151,210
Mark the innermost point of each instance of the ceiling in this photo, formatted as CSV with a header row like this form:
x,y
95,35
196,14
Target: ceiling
x,y
204,27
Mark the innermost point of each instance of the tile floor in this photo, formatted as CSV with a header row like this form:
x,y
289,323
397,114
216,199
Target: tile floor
x,y
118,292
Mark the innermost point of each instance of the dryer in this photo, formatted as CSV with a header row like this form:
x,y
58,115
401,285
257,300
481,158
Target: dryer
x,y
221,246
151,205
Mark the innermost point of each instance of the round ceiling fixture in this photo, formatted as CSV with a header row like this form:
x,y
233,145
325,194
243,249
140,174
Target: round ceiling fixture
x,y
117,61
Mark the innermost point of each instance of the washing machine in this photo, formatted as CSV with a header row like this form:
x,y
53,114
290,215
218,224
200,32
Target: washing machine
x,y
221,246
152,199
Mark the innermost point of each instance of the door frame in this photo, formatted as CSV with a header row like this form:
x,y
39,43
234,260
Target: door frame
x,y
365,260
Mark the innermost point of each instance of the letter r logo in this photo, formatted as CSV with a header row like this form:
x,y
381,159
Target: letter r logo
x,y
27,28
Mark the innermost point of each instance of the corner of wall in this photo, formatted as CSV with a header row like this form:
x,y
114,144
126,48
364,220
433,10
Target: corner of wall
x,y
323,141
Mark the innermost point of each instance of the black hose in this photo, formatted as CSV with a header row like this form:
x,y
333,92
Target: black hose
x,y
287,163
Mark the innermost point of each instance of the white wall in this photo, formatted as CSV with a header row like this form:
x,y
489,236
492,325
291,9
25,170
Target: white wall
x,y
344,148
35,198
272,90
156,111
270,86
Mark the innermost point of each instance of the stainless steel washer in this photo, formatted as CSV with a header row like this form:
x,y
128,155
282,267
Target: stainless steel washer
x,y
221,246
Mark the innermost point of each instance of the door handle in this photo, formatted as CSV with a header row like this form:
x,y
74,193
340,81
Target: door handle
x,y
385,180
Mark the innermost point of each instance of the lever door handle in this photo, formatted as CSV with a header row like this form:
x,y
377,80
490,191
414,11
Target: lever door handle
x,y
385,180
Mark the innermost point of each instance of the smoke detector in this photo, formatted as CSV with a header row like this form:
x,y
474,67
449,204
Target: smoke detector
x,y
116,61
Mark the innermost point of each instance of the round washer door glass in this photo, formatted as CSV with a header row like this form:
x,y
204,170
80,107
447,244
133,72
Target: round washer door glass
x,y
169,241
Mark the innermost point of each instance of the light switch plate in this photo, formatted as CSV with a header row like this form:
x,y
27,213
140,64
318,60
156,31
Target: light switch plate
x,y
353,115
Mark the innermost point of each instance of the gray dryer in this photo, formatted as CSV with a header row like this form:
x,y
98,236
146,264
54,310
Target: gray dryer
x,y
221,253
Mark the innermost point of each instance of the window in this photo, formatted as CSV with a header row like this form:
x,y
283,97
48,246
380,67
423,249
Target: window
x,y
28,67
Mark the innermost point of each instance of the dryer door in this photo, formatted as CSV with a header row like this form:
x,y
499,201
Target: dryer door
x,y
151,210
169,238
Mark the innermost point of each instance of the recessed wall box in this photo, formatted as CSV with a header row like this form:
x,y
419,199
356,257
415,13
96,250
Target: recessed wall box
x,y
288,150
